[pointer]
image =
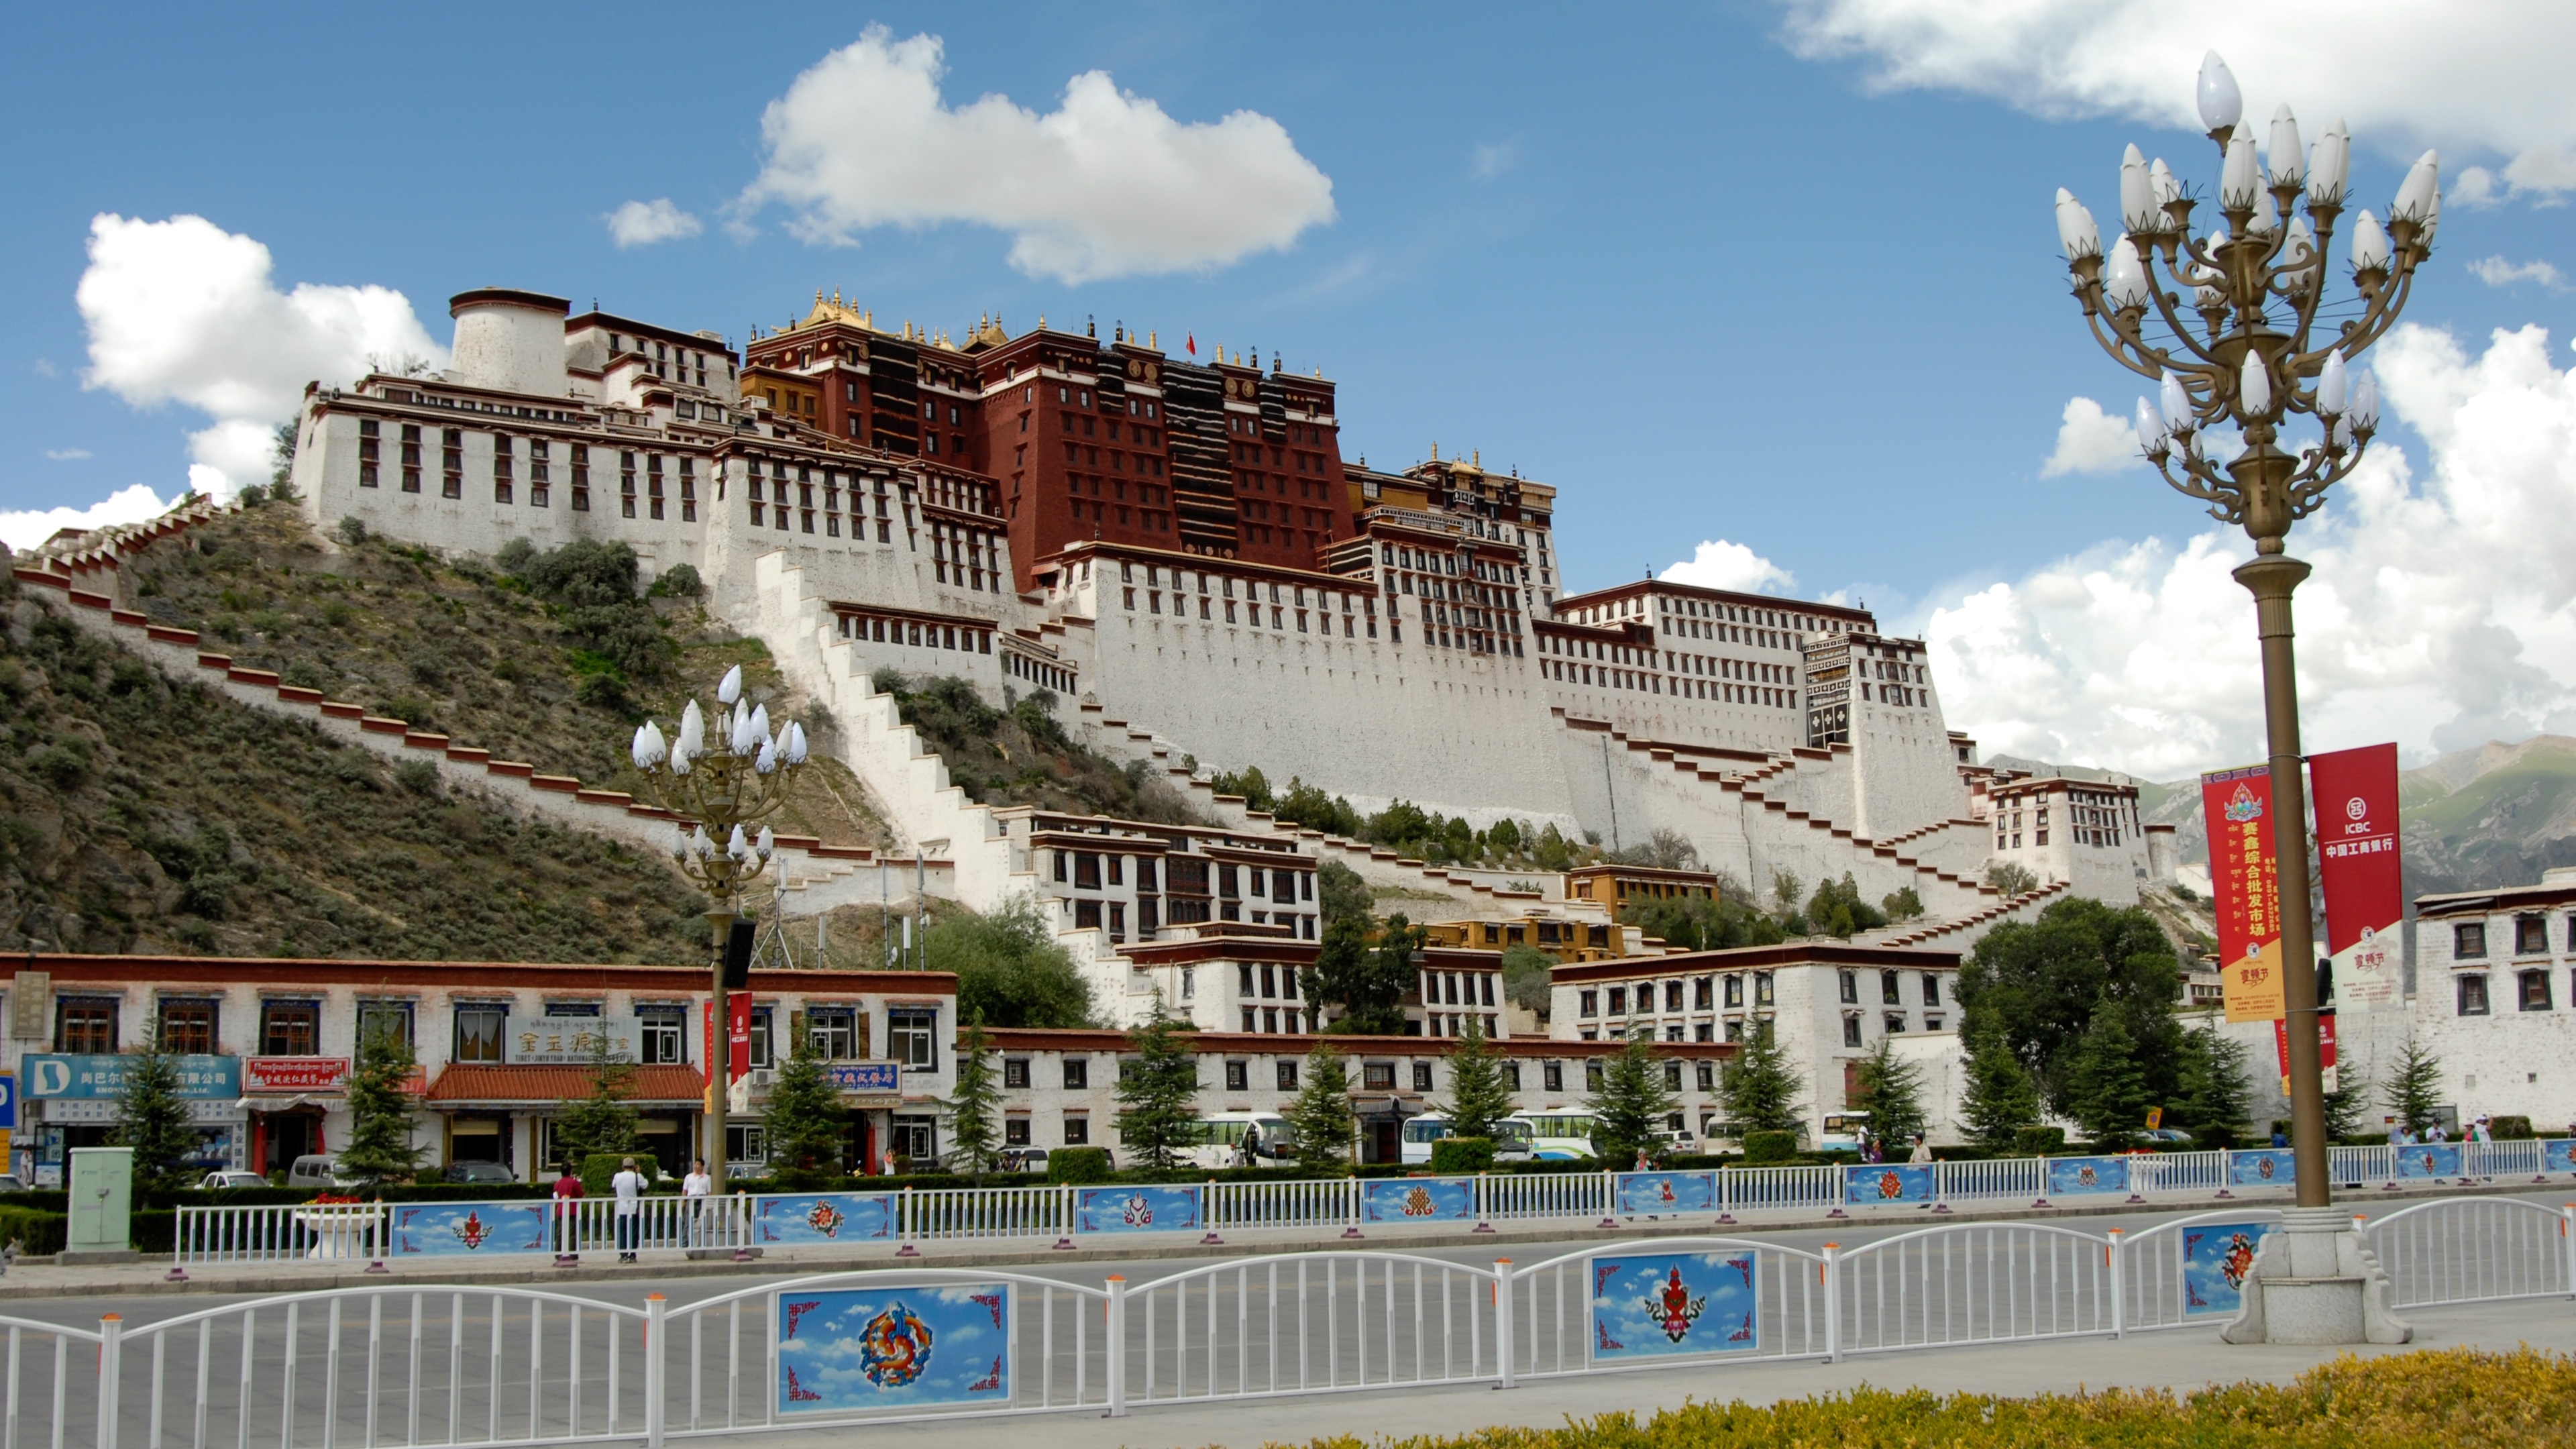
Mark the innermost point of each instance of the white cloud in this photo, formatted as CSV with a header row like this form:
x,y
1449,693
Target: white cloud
x,y
1106,185
2485,77
642,223
1488,162
45,367
25,528
2442,612
2090,441
67,455
1719,564
2497,272
184,311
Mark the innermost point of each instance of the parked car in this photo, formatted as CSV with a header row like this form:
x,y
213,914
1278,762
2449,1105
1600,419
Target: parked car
x,y
478,1172
2167,1138
216,1180
1024,1159
317,1169
10,1182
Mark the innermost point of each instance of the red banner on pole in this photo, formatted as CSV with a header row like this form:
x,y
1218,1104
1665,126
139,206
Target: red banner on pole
x,y
2244,875
2325,1049
740,1002
708,1059
2363,875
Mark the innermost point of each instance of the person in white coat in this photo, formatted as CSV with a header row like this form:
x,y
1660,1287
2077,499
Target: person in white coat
x,y
628,1185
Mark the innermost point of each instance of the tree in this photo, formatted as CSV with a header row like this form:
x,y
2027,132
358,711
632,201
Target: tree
x,y
1368,984
1631,1104
2042,981
1552,851
2108,1095
975,1106
2214,1101
381,1113
153,1118
2000,1099
1758,1085
805,1122
1700,923
2012,878
1479,1098
1010,970
2347,1103
1320,1117
1158,1091
1340,893
1784,894
1904,905
1529,977
2414,1090
604,1121
1836,909
1890,1090
1664,850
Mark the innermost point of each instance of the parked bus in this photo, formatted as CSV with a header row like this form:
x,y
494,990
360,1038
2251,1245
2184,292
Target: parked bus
x,y
1560,1136
1217,1138
1512,1138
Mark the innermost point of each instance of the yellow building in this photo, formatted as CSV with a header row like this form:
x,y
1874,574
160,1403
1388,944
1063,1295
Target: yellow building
x,y
1566,941
1616,886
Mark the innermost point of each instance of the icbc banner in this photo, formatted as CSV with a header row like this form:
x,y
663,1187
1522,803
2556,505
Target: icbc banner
x,y
2325,1049
2238,808
2358,863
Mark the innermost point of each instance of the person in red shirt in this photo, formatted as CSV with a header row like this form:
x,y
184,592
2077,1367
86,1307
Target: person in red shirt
x,y
567,1220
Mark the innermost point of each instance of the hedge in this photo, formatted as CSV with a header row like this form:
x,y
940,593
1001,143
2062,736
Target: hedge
x,y
1461,1156
33,1231
2456,1398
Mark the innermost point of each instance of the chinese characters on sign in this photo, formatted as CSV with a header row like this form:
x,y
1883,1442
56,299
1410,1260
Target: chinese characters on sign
x,y
569,1040
2358,865
2242,871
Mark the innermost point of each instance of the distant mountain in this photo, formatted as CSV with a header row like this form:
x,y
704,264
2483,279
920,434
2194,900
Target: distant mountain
x,y
2495,815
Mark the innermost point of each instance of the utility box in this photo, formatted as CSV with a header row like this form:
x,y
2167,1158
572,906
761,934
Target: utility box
x,y
102,1203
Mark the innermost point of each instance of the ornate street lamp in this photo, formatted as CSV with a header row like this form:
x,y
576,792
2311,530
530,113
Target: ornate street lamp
x,y
722,789
2260,345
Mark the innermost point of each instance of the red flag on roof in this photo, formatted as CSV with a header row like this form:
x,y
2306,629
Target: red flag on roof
x,y
1192,341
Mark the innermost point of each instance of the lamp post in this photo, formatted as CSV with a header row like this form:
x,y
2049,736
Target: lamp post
x,y
723,787
2260,354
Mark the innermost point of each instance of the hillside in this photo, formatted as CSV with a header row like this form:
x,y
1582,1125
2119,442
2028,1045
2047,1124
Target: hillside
x,y
143,814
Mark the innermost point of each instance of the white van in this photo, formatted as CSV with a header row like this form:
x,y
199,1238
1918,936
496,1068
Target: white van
x,y
317,1169
1512,1138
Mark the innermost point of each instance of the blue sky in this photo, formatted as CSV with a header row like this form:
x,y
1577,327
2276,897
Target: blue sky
x,y
1779,275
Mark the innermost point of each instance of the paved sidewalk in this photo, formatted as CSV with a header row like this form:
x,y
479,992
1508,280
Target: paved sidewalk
x,y
2175,1359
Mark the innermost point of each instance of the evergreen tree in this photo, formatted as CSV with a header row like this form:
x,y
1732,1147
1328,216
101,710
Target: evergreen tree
x,y
153,1118
381,1114
1631,1105
1320,1117
603,1122
1759,1085
805,1122
1479,1098
1010,969
975,1107
2347,1103
1158,1091
2216,1105
2042,982
2415,1088
2109,1095
1367,982
1890,1090
2000,1099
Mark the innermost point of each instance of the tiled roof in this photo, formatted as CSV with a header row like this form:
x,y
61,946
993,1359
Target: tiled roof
x,y
543,1086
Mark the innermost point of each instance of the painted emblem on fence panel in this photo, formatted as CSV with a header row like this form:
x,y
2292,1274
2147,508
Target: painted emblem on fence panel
x,y
890,1348
2264,1167
2217,1258
1662,1194
1883,1183
2558,1154
1418,1199
824,1217
2076,1176
1675,1303
2430,1159
1135,1209
453,1229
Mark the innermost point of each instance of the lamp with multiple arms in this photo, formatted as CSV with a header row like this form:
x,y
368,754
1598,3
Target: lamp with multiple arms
x,y
2237,330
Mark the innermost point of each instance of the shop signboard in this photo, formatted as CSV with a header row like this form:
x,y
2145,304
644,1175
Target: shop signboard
x,y
101,1076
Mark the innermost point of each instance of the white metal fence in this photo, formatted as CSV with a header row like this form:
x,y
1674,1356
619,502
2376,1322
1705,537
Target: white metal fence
x,y
1065,1215
446,1365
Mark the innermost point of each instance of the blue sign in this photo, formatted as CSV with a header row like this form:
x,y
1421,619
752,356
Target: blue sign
x,y
1881,1184
2217,1258
1656,1194
1135,1209
2558,1154
2429,1159
873,1077
1418,1199
102,1076
1671,1304
829,1217
2076,1176
8,1101
454,1229
2264,1167
867,1349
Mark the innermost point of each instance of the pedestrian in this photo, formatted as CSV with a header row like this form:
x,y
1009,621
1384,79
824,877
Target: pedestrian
x,y
2480,1130
2396,1133
694,1191
1922,1150
2279,1137
1644,1163
1871,1151
567,1218
628,1184
2439,1133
